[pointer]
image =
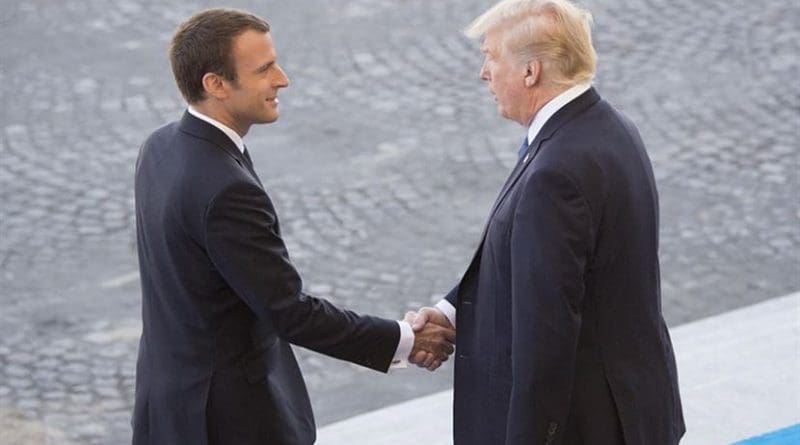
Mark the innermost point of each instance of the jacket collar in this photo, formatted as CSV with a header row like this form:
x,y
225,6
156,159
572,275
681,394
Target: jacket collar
x,y
565,114
559,119
203,130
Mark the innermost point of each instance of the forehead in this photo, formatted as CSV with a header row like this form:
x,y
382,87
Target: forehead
x,y
492,41
252,48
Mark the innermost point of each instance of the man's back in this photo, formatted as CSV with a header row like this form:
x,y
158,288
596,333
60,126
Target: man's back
x,y
202,346
623,336
221,300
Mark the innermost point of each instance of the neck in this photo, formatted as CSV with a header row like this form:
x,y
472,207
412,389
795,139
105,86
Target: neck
x,y
216,111
538,100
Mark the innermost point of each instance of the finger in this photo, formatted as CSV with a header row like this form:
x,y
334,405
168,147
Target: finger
x,y
429,360
445,353
434,366
450,335
420,356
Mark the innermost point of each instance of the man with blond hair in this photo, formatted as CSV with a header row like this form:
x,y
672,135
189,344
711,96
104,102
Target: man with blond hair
x,y
561,339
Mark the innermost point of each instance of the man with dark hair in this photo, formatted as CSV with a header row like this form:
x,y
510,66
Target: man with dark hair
x,y
203,45
221,301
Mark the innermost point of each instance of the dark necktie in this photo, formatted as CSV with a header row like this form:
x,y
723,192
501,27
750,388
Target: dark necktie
x,y
523,148
247,158
248,163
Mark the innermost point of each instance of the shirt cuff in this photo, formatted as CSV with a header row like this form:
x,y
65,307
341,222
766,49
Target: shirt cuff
x,y
448,310
404,346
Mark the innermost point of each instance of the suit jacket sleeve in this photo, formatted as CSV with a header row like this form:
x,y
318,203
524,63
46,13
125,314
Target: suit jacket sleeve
x,y
452,296
247,250
550,243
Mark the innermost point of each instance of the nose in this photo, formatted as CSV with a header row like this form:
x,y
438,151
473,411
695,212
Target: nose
x,y
281,79
485,72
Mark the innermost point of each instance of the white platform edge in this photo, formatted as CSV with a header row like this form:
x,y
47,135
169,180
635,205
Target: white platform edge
x,y
739,375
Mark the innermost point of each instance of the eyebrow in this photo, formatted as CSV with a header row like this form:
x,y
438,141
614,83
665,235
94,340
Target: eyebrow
x,y
264,67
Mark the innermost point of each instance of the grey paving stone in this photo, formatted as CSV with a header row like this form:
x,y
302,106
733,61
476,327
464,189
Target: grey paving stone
x,y
383,166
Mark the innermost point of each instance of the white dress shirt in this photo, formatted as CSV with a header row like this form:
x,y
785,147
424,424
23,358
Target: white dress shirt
x,y
541,118
406,342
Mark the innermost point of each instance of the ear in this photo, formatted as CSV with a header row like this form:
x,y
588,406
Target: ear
x,y
215,86
533,73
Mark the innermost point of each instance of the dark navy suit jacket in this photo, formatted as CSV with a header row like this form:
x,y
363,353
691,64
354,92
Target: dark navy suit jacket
x,y
221,301
561,338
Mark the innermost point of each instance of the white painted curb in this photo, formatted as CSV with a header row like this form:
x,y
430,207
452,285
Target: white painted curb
x,y
739,374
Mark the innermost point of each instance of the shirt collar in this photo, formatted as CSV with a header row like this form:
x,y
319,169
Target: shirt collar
x,y
555,104
234,136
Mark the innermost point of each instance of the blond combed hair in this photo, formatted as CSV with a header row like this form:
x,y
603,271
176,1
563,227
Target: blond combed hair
x,y
555,32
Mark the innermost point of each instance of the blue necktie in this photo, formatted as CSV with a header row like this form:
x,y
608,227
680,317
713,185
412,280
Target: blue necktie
x,y
523,148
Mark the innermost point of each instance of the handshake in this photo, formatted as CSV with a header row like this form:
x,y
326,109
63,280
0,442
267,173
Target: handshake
x,y
434,337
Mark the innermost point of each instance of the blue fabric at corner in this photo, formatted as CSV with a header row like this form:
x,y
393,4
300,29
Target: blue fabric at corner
x,y
784,436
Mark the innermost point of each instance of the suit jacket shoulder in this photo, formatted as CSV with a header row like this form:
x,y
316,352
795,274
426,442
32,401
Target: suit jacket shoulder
x,y
596,150
192,162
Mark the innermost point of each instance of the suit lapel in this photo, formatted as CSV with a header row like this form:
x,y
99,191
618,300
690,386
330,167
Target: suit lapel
x,y
561,117
515,174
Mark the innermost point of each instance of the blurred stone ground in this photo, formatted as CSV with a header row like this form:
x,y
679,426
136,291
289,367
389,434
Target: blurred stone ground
x,y
383,166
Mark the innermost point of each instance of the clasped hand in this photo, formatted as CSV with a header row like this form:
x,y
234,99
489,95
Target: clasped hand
x,y
434,338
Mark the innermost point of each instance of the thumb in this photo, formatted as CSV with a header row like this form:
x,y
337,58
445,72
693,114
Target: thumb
x,y
420,321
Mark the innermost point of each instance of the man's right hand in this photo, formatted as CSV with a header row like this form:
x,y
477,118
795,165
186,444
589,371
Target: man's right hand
x,y
434,337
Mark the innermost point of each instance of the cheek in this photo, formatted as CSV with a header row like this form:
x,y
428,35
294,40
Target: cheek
x,y
499,86
497,76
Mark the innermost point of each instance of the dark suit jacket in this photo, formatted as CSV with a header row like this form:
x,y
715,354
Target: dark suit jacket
x,y
221,302
560,333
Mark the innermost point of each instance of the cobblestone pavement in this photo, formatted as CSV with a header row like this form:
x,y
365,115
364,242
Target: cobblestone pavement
x,y
383,167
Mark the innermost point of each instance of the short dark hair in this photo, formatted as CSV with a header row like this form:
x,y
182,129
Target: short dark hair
x,y
204,44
